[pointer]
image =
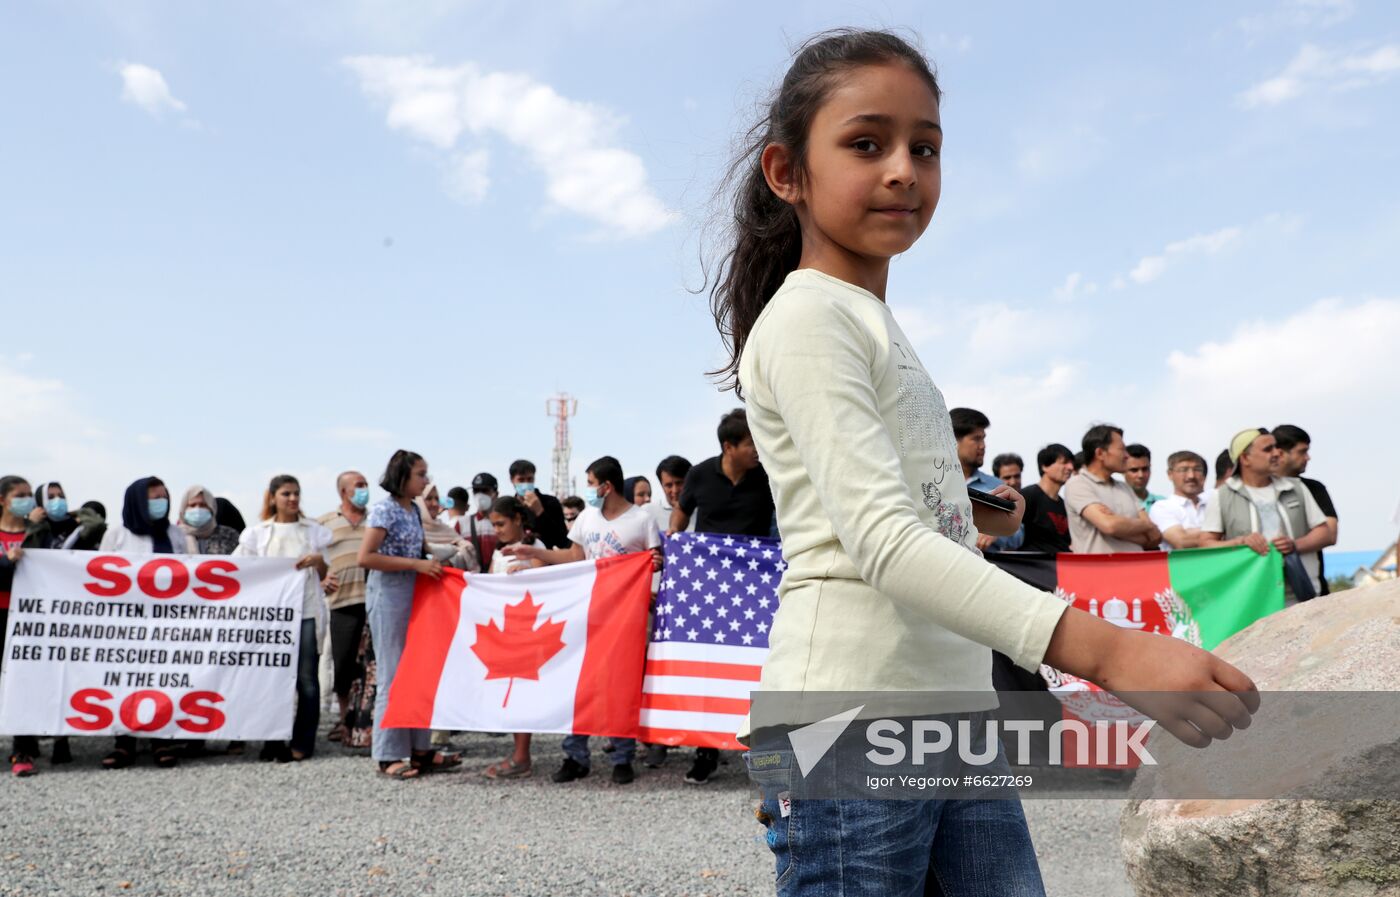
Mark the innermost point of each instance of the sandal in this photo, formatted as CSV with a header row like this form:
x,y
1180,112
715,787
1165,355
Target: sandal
x,y
509,769
337,732
398,769
167,757
435,761
119,758
22,765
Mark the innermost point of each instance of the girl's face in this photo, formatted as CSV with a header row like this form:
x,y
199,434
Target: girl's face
x,y
642,494
507,529
417,480
872,171
54,492
287,500
430,499
198,501
154,492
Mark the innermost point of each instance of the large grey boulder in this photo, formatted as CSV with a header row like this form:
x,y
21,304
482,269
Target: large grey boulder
x,y
1347,642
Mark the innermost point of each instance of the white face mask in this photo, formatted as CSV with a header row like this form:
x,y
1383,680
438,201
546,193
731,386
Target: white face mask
x,y
483,502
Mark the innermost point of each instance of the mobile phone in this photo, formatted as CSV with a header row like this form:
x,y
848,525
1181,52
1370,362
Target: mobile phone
x,y
991,501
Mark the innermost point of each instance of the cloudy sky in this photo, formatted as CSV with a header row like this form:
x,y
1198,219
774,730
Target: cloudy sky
x,y
258,238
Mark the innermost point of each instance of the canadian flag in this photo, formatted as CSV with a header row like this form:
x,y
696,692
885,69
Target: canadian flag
x,y
553,649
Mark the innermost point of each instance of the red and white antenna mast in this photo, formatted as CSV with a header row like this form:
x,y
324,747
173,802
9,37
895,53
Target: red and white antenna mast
x,y
562,407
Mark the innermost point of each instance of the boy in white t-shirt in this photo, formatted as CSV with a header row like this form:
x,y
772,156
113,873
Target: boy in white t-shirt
x,y
610,525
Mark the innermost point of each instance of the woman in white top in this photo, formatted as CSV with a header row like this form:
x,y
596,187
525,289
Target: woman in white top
x,y
284,532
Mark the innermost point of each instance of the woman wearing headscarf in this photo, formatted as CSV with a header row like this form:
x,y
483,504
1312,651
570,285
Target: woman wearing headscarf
x,y
445,544
145,529
50,524
197,519
284,532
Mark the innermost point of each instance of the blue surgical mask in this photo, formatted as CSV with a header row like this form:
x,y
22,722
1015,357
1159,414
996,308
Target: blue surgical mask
x,y
360,497
591,496
523,489
22,507
448,504
197,517
57,508
158,508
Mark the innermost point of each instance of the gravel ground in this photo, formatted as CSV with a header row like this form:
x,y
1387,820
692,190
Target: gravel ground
x,y
231,825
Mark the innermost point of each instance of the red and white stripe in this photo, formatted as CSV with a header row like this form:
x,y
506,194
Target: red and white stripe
x,y
698,694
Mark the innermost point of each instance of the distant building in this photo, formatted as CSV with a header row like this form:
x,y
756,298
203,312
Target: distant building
x,y
1381,571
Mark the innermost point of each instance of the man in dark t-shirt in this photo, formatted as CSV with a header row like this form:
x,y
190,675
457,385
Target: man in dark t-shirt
x,y
1296,444
1046,519
728,494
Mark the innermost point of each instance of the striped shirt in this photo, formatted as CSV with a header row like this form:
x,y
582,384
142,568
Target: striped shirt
x,y
341,556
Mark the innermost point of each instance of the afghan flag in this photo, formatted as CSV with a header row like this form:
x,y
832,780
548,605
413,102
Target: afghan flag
x,y
553,649
1204,595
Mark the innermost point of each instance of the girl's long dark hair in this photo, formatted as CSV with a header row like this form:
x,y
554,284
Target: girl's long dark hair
x,y
763,237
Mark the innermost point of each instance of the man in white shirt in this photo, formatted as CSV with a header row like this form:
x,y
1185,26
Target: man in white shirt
x,y
1180,515
1256,508
610,525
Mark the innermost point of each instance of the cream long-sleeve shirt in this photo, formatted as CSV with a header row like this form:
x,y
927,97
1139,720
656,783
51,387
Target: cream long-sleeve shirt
x,y
885,589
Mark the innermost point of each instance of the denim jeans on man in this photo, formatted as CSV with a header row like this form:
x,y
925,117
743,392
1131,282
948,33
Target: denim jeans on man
x,y
900,848
388,601
576,749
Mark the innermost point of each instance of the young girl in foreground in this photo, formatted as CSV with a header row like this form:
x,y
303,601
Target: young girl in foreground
x,y
885,590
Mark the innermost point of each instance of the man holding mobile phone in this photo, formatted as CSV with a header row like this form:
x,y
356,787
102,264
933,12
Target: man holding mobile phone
x,y
548,512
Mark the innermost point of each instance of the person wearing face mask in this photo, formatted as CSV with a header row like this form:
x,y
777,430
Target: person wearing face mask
x,y
548,515
197,521
345,590
476,526
456,506
284,532
16,504
445,545
50,524
145,529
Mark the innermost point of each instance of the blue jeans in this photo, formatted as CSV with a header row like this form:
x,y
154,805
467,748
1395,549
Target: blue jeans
x,y
388,602
844,848
576,749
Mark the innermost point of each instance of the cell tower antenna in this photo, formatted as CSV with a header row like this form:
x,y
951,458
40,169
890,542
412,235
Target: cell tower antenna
x,y
562,407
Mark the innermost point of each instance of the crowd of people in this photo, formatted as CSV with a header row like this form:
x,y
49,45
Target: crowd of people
x,y
359,562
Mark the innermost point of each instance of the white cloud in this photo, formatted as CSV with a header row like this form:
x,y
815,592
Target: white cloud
x,y
572,143
1151,267
146,87
1316,68
145,439
1348,351
1070,286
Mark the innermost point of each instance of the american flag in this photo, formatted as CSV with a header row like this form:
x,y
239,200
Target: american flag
x,y
709,637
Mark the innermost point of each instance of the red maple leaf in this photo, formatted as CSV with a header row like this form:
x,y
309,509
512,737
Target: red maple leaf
x,y
517,650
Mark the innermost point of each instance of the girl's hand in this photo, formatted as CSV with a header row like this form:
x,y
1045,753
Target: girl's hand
x,y
429,568
1190,692
14,554
1016,498
308,561
37,514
